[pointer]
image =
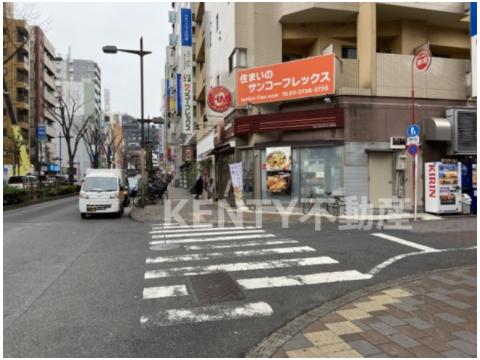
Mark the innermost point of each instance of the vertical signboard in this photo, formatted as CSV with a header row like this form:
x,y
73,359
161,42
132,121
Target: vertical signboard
x,y
41,133
237,183
186,72
179,94
160,139
473,34
167,95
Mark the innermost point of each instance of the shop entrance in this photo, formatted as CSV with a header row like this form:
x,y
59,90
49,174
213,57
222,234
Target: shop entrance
x,y
380,168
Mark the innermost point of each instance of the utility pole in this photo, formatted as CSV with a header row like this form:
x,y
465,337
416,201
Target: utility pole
x,y
60,136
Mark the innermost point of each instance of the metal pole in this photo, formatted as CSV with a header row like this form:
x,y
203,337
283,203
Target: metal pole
x,y
60,150
415,157
141,89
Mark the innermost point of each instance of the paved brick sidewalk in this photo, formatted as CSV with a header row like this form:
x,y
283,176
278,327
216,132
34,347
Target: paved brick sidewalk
x,y
434,316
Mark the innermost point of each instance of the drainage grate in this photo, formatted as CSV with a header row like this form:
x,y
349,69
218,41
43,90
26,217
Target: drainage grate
x,y
214,288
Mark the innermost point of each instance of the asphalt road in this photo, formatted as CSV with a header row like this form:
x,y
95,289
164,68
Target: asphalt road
x,y
75,288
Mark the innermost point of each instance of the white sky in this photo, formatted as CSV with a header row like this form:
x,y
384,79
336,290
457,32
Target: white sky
x,y
86,27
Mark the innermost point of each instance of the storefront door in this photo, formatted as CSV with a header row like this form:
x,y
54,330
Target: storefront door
x,y
380,168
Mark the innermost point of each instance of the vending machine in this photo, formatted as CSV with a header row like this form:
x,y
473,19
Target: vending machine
x,y
469,183
443,187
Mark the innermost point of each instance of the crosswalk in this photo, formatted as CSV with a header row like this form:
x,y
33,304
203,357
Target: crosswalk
x,y
242,253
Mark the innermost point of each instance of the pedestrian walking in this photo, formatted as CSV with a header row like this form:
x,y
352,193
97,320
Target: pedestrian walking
x,y
198,187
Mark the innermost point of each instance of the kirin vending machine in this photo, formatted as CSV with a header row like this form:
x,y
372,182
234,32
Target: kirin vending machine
x,y
469,183
443,187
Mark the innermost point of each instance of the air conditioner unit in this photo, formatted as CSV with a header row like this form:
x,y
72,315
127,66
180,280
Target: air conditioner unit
x,y
464,132
172,39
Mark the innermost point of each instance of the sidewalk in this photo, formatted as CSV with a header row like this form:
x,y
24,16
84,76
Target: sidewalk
x,y
434,316
272,215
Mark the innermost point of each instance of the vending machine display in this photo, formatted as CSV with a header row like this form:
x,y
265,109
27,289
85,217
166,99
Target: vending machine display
x,y
443,187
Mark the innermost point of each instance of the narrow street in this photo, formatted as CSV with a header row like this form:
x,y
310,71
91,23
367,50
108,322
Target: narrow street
x,y
108,287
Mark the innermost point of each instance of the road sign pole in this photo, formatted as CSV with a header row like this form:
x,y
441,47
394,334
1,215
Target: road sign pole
x,y
415,167
415,157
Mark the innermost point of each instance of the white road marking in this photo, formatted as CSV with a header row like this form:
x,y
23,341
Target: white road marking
x,y
296,280
243,266
182,226
208,313
393,259
227,254
231,228
164,291
208,239
209,233
240,244
405,242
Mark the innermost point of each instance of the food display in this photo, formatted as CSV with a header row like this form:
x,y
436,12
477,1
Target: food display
x,y
278,160
278,182
278,165
448,174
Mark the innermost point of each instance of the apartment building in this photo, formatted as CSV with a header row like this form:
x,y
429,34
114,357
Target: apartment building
x,y
340,143
17,72
44,99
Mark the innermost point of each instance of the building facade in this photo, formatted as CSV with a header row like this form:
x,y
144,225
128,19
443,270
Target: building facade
x,y
17,105
344,144
44,101
180,105
79,82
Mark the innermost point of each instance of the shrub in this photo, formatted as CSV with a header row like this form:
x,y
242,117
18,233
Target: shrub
x,y
13,195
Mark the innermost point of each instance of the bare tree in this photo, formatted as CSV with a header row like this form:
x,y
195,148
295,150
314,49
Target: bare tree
x,y
72,126
111,145
93,140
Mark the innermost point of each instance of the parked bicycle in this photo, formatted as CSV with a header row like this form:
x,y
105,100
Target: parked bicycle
x,y
155,191
331,204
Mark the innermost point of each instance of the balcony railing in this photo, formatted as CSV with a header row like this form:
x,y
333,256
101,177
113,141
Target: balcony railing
x,y
50,97
49,63
445,79
49,80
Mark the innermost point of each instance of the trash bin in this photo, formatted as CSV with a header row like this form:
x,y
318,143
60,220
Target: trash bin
x,y
466,204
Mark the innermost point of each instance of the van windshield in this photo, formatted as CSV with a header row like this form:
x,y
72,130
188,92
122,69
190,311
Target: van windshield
x,y
16,180
98,184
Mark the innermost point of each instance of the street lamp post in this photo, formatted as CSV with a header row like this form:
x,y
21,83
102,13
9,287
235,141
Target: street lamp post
x,y
111,49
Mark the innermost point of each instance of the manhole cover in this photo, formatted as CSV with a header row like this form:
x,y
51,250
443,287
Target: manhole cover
x,y
164,247
214,288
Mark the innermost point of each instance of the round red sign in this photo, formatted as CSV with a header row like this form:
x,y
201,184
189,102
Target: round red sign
x,y
219,98
423,60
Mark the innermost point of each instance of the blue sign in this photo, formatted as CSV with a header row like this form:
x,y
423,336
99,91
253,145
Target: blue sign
x,y
179,94
53,167
473,19
413,130
41,133
412,149
186,26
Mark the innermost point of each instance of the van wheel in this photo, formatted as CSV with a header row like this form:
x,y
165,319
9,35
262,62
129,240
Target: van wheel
x,y
83,215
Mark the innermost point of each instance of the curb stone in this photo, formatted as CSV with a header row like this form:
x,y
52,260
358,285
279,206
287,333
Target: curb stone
x,y
267,347
36,202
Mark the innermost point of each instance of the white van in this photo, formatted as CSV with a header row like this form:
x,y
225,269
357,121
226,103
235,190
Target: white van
x,y
103,191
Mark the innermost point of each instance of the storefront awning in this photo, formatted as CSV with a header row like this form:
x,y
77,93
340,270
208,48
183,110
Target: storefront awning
x,y
205,145
290,121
